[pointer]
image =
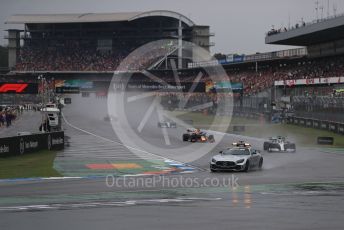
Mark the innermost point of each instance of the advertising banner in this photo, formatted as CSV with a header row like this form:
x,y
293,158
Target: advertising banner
x,y
19,145
67,90
223,86
82,84
325,140
313,81
155,86
18,88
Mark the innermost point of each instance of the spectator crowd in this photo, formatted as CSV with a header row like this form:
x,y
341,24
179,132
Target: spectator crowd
x,y
256,80
7,116
71,59
284,29
74,56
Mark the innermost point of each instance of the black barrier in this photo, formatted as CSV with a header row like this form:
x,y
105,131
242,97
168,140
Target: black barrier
x,y
68,100
17,145
238,128
317,124
325,140
56,140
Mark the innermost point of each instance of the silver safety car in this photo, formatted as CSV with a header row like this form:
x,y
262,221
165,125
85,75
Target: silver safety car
x,y
240,157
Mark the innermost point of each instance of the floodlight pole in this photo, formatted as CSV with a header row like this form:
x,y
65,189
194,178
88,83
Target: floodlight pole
x,y
41,78
180,43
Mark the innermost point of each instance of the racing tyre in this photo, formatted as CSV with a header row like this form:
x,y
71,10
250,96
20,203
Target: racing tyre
x,y
186,137
211,139
193,138
260,165
247,166
266,145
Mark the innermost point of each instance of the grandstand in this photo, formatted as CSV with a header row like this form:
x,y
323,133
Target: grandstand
x,y
322,37
315,85
94,42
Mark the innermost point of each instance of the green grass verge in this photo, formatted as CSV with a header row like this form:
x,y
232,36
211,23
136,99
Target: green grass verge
x,y
301,135
29,165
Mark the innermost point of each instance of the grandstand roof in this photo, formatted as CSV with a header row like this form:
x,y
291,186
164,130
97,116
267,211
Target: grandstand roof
x,y
326,30
93,17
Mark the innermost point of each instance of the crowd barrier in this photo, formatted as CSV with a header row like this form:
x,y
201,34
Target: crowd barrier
x,y
332,126
18,145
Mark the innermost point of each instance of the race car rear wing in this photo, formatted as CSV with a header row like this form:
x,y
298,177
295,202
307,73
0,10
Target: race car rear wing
x,y
241,144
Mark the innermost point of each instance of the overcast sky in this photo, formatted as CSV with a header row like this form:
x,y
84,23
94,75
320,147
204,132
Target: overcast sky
x,y
239,25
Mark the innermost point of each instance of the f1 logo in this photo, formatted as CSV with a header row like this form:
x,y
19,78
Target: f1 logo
x,y
13,87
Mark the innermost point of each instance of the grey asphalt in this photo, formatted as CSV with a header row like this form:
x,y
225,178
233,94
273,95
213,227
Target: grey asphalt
x,y
267,212
293,191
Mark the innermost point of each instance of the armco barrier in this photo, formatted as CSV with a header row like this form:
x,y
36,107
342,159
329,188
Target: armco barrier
x,y
317,124
18,145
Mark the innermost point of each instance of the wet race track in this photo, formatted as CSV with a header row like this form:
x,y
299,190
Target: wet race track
x,y
155,190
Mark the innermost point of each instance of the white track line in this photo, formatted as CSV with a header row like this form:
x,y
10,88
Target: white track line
x,y
129,147
104,203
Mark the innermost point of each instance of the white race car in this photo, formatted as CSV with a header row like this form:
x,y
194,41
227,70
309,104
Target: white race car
x,y
167,124
279,144
241,157
110,118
